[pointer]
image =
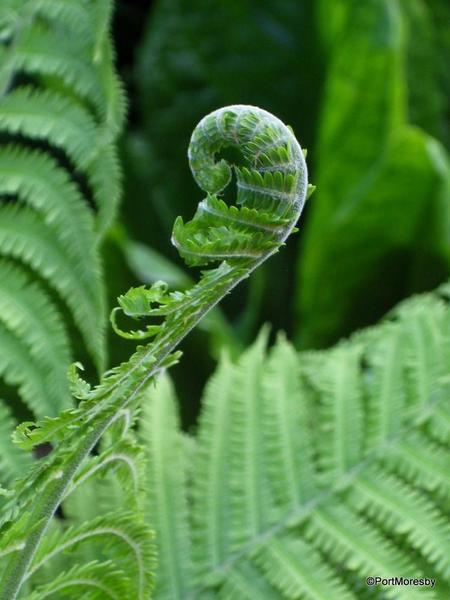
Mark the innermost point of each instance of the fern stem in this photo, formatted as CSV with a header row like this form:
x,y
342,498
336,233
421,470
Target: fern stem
x,y
44,511
263,199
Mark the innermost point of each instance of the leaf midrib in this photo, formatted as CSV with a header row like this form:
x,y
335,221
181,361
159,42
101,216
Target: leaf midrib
x,y
301,512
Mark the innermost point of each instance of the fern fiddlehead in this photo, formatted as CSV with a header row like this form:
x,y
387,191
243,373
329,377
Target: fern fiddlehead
x,y
272,188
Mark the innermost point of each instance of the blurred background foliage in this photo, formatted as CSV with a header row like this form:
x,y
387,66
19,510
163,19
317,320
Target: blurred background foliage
x,y
365,86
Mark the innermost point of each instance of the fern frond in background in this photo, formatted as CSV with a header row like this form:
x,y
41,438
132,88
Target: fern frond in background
x,y
309,471
12,460
61,108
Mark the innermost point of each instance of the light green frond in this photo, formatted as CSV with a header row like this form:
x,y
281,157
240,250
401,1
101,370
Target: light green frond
x,y
122,537
72,107
102,494
384,386
426,336
105,176
404,510
48,52
28,434
124,461
211,485
251,501
166,506
73,16
288,421
299,571
24,236
340,416
355,544
247,581
39,180
93,581
420,461
115,105
438,423
316,469
59,200
19,368
13,538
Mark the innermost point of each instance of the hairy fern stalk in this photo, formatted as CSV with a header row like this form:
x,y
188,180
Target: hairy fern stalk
x,y
271,191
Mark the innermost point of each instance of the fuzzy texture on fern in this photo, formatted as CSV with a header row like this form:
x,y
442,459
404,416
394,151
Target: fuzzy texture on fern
x,y
272,188
61,109
309,471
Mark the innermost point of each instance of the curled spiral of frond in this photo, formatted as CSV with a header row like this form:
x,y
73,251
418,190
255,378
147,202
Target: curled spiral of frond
x,y
271,187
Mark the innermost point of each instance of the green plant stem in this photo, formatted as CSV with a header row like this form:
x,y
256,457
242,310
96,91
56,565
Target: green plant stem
x,y
199,242
48,504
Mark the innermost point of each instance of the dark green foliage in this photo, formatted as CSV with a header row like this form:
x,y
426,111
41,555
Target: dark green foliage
x,y
379,227
182,73
61,108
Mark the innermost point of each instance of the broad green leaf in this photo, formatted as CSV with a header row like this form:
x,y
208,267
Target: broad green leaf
x,y
379,222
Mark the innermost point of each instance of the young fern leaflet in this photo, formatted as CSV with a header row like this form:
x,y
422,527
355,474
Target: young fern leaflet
x,y
271,190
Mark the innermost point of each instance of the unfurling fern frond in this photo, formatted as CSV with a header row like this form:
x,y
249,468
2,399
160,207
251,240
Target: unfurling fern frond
x,y
310,471
272,188
61,108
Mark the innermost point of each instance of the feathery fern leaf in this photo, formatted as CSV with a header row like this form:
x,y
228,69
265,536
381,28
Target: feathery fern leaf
x,y
95,580
61,108
313,471
115,530
29,316
167,502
